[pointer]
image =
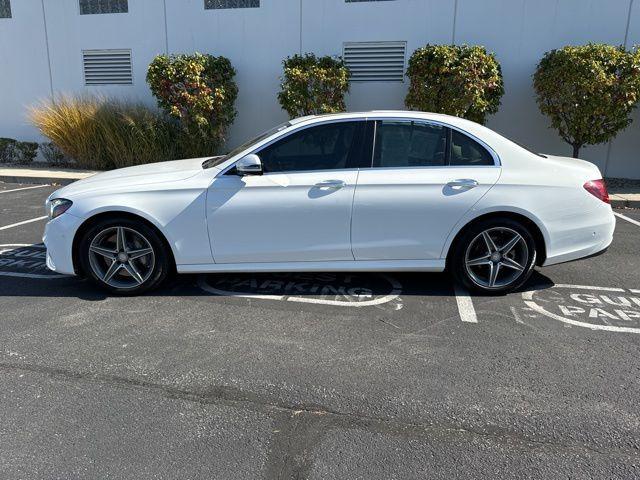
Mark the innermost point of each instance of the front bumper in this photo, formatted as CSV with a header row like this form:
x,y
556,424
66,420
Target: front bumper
x,y
58,238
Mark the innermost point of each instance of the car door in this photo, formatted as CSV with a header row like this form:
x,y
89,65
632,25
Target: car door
x,y
299,209
424,177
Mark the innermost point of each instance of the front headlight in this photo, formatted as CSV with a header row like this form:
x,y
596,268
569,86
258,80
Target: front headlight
x,y
57,207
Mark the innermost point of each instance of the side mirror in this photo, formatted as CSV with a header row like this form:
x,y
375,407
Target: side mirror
x,y
249,165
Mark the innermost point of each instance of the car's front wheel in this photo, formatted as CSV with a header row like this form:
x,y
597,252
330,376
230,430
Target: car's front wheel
x,y
123,256
494,256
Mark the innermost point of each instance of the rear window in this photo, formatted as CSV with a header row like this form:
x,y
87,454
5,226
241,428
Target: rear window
x,y
465,151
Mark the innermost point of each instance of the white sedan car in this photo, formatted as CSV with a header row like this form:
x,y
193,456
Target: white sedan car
x,y
374,191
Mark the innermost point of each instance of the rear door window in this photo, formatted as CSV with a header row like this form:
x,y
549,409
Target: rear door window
x,y
409,144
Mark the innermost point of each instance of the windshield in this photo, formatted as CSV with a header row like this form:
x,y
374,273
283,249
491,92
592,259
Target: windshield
x,y
212,162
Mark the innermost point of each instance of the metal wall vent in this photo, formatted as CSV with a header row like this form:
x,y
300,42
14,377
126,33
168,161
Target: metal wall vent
x,y
375,61
107,67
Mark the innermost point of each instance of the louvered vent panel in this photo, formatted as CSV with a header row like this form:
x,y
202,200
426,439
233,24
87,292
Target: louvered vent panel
x,y
107,67
375,61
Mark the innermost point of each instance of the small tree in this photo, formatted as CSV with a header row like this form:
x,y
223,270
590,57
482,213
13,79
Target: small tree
x,y
313,85
460,80
199,91
588,91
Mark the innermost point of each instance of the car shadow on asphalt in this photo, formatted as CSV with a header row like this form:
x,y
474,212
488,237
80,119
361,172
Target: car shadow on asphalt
x,y
329,287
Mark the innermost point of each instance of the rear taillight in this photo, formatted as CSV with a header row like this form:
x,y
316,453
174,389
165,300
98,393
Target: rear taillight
x,y
598,189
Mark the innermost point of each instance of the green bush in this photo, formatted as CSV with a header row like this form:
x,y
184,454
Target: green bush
x,y
588,91
54,156
200,92
459,80
13,151
102,133
313,85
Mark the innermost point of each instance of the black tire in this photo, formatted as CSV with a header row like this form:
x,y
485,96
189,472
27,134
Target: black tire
x,y
148,271
468,249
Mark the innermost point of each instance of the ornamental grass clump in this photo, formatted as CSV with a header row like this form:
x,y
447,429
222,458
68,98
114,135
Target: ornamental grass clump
x,y
199,91
103,133
588,91
313,85
461,80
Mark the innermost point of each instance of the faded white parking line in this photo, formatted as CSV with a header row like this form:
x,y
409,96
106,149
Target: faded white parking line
x,y
23,188
624,217
33,275
22,223
465,305
587,287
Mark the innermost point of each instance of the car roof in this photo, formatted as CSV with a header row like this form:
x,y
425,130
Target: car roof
x,y
463,124
439,117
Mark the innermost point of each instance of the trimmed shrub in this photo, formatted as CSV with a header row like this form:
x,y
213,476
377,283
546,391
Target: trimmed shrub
x,y
460,80
13,151
313,85
54,156
103,133
588,91
200,92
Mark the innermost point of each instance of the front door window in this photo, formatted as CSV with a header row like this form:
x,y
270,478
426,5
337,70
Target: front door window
x,y
332,146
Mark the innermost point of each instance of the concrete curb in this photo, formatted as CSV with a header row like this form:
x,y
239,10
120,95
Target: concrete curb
x,y
43,175
624,203
37,180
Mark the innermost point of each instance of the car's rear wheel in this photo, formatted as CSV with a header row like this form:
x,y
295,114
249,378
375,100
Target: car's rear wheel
x,y
123,256
494,256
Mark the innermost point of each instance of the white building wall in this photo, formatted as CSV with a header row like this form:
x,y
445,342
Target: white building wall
x,y
24,68
257,40
520,32
69,33
624,155
327,24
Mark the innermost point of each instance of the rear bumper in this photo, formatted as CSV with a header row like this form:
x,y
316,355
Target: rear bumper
x,y
585,241
58,238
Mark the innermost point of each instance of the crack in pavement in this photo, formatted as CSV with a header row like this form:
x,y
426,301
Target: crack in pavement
x,y
301,427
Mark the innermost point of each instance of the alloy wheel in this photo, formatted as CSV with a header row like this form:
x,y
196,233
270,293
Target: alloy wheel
x,y
496,258
121,257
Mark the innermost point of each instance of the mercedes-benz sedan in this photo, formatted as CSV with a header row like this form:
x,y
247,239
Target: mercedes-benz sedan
x,y
374,191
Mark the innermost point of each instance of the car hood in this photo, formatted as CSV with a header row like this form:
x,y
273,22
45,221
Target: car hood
x,y
123,178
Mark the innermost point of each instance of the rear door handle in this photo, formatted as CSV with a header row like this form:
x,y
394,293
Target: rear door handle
x,y
463,183
335,184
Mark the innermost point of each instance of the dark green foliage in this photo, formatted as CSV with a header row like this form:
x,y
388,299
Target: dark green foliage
x,y
460,80
13,151
200,92
313,85
588,91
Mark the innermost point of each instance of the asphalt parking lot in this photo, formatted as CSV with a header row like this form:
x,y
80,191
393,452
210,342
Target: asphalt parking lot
x,y
319,376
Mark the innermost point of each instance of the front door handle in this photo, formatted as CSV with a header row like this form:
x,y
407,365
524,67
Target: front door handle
x,y
463,183
331,184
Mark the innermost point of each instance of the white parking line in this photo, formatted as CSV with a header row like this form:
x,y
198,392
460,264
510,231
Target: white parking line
x,y
630,220
23,223
23,188
587,287
465,305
